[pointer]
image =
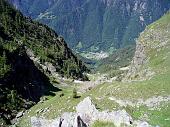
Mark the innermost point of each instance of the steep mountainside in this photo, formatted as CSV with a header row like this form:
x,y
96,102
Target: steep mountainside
x,y
42,44
95,25
152,51
30,54
147,101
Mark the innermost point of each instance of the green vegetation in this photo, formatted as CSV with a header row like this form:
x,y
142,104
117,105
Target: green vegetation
x,y
4,67
119,58
27,46
111,64
17,34
93,23
101,95
102,124
17,31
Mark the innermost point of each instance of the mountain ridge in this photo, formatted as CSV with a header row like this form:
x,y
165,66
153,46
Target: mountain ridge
x,y
104,24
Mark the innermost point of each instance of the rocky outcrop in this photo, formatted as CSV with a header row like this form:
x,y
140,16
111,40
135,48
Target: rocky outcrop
x,y
46,67
148,48
138,69
86,114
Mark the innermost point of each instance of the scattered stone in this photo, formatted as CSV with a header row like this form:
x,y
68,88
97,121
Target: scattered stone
x,y
46,110
39,111
142,124
124,68
152,103
86,114
20,114
38,122
62,94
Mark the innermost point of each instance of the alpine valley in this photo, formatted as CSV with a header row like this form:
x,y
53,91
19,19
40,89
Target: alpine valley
x,y
95,25
114,72
95,29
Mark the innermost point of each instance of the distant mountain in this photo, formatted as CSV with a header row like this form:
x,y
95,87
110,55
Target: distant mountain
x,y
95,25
30,54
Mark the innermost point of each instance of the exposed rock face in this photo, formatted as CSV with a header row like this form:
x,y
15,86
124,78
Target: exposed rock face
x,y
20,114
149,44
138,70
140,57
86,114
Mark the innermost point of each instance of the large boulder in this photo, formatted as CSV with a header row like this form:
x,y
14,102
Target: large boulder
x,y
86,114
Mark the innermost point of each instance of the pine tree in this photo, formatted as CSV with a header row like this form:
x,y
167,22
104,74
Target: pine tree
x,y
4,68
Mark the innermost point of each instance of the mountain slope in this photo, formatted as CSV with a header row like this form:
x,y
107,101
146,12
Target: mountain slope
x,y
40,41
145,97
104,24
152,51
30,54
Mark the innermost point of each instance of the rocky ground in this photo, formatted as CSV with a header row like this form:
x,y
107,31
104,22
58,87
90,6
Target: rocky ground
x,y
86,114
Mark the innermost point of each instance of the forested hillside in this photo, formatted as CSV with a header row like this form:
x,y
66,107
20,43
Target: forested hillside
x,y
30,54
95,25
